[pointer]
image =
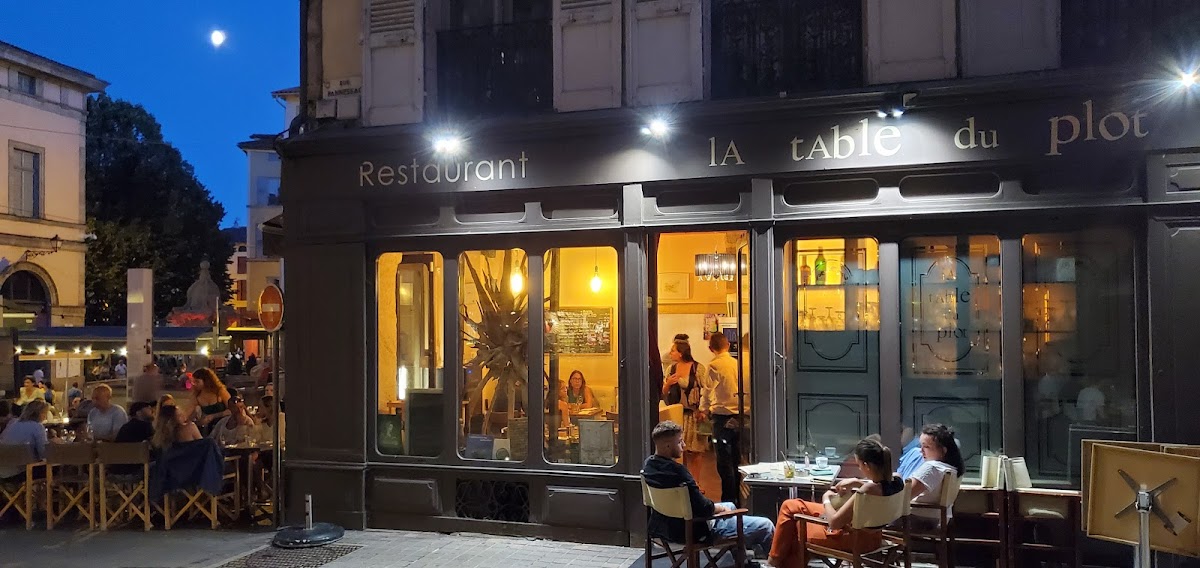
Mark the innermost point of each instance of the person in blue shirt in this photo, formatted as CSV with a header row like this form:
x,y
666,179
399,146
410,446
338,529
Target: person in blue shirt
x,y
27,430
910,456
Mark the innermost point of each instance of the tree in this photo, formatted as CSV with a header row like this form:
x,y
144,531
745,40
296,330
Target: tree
x,y
147,210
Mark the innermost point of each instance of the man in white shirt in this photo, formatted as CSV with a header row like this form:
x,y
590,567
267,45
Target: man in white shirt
x,y
718,399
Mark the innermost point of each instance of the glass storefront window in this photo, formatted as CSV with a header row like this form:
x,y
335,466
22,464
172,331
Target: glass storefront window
x,y
950,338
1077,346
581,357
494,312
836,378
409,408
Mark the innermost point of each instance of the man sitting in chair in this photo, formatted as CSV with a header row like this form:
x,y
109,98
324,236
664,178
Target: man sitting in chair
x,y
661,471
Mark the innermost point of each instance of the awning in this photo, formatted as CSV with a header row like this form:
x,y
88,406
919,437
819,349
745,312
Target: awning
x,y
95,341
272,239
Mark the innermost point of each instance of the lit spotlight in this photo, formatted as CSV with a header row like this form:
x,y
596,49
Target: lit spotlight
x,y
217,38
448,145
1187,78
881,114
897,113
657,128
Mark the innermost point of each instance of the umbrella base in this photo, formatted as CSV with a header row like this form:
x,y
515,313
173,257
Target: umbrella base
x,y
300,537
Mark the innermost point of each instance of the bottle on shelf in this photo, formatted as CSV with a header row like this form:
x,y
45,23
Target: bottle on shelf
x,y
820,267
805,271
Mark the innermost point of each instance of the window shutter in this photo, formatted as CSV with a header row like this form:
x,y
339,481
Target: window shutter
x,y
911,40
392,16
394,86
14,181
666,51
1027,42
587,54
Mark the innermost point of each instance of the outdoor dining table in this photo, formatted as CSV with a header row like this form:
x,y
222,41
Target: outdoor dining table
x,y
770,475
246,451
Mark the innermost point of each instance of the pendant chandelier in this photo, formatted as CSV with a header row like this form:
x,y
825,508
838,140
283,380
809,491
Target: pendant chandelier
x,y
716,267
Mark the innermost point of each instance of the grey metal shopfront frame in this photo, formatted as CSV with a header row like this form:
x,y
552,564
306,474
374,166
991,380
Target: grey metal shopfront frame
x,y
334,240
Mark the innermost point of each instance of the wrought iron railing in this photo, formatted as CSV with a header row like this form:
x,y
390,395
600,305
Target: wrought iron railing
x,y
1113,32
768,47
495,70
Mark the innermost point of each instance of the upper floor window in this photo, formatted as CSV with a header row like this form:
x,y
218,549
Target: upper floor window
x,y
266,191
495,57
25,183
769,47
27,84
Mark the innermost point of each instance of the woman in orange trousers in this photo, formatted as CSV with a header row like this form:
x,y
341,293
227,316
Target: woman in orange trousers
x,y
787,548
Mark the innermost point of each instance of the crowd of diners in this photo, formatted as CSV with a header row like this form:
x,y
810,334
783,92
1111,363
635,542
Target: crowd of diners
x,y
209,410
925,462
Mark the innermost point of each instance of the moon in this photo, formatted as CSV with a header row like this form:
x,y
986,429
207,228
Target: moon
x,y
217,38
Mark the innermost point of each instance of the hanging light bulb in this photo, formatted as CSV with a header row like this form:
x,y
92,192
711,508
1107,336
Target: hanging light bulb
x,y
596,283
516,283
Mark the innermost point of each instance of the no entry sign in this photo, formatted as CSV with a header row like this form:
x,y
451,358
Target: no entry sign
x,y
270,308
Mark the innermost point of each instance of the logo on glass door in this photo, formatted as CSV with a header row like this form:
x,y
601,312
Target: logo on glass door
x,y
952,324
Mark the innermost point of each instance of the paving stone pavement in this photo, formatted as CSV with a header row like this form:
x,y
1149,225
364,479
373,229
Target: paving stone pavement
x,y
213,549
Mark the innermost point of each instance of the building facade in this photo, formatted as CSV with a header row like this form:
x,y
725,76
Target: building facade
x,y
263,265
43,113
237,267
898,213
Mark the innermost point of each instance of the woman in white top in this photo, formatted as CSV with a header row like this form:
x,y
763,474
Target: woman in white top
x,y
942,458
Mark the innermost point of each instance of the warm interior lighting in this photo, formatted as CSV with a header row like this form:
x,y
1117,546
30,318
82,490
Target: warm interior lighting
x,y
596,282
204,350
716,266
402,382
87,350
124,352
516,283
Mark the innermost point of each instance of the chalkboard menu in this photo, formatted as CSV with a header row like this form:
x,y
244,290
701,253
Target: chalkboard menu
x,y
582,331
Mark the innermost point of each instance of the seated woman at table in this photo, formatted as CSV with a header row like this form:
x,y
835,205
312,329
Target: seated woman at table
x,y
266,417
233,429
172,427
576,393
210,397
875,461
27,430
942,458
28,393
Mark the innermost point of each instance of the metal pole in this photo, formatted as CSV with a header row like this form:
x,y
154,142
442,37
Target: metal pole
x,y
277,454
1144,504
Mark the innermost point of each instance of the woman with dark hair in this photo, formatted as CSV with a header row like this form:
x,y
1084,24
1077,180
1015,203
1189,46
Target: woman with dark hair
x,y
576,392
682,386
875,461
942,458
27,430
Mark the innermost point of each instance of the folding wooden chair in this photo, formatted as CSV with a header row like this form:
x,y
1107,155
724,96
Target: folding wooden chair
x,y
130,490
200,503
942,535
70,491
676,503
871,514
17,493
229,502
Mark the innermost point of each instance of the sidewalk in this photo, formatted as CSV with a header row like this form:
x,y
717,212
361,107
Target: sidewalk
x,y
229,549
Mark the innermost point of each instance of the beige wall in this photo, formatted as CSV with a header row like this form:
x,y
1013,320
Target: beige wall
x,y
259,273
341,47
56,131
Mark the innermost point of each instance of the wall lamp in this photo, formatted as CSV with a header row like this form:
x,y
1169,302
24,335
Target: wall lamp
x,y
896,104
657,128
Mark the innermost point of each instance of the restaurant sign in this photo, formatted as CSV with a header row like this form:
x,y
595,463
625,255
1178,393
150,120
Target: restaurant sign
x,y
783,142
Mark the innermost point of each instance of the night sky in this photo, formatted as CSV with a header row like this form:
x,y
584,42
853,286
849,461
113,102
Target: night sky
x,y
157,53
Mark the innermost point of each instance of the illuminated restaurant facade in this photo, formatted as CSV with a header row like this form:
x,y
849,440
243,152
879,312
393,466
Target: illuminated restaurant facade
x,y
1008,256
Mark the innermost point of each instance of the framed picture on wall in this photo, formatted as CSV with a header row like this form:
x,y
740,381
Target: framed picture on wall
x,y
674,286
